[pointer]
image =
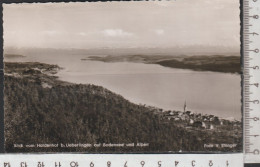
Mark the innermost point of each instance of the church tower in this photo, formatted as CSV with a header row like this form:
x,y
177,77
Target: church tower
x,y
184,108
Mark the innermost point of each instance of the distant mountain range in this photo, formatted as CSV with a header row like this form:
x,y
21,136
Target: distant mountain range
x,y
174,51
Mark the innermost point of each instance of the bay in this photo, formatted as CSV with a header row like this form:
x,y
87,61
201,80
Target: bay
x,y
154,85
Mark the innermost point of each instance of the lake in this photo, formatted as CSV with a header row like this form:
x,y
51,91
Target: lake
x,y
150,84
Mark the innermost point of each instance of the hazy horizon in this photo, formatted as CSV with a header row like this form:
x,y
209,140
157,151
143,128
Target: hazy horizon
x,y
152,24
175,52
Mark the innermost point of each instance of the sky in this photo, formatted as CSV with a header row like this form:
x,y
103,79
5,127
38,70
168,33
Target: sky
x,y
133,24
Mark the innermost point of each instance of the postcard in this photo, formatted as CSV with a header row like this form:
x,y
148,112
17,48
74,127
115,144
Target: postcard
x,y
123,77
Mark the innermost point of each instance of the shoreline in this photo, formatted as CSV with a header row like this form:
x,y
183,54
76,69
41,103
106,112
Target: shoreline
x,y
214,63
53,70
100,80
79,106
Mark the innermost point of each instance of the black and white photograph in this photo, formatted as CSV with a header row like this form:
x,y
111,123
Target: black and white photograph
x,y
123,77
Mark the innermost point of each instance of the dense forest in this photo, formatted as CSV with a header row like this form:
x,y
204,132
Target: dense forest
x,y
40,109
227,64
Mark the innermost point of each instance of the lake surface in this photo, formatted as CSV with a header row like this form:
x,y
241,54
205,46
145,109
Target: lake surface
x,y
154,85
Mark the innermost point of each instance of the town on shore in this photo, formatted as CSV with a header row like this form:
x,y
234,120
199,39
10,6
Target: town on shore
x,y
191,120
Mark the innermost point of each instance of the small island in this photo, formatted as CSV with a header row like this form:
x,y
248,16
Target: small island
x,y
12,56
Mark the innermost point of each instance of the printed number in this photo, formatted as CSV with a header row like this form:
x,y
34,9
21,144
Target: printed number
x,y
193,163
74,164
255,84
210,163
108,163
159,163
256,152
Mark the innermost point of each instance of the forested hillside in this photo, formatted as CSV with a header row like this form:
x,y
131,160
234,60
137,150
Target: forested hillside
x,y
215,63
39,109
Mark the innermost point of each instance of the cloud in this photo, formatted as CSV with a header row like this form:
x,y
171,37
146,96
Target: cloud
x,y
51,32
82,33
89,33
116,33
159,32
163,3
